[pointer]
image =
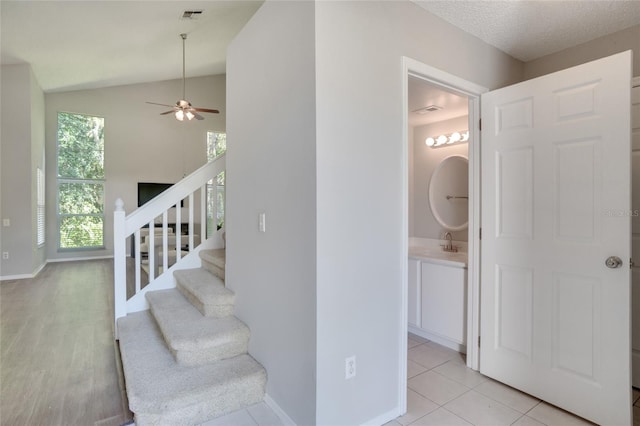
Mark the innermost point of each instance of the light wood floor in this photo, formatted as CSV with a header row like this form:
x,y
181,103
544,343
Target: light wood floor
x,y
58,357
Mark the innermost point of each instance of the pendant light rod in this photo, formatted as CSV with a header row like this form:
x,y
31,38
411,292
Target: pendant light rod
x,y
184,37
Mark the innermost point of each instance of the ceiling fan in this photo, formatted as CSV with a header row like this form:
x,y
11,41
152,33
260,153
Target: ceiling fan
x,y
183,109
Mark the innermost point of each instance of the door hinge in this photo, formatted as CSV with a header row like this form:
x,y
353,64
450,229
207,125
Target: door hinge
x,y
478,341
480,124
480,236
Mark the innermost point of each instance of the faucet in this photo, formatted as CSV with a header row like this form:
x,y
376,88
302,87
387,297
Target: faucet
x,y
449,246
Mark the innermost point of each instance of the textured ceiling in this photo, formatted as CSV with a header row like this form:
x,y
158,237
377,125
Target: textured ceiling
x,y
87,44
528,29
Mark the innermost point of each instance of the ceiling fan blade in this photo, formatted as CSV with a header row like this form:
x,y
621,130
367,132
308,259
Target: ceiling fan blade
x,y
197,116
214,111
155,103
167,112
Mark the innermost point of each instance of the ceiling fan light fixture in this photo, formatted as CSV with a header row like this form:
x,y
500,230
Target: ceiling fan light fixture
x,y
183,108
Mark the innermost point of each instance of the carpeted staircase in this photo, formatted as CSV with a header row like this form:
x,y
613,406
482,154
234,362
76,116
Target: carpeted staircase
x,y
185,360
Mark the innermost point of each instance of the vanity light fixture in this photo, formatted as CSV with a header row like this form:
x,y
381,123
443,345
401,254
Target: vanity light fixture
x,y
448,139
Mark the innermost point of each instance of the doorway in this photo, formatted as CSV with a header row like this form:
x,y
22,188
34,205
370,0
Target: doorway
x,y
565,94
438,213
556,196
424,75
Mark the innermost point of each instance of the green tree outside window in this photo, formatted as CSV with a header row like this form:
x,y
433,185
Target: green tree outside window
x,y
80,181
216,146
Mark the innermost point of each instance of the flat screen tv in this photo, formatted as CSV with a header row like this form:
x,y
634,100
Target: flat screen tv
x,y
149,190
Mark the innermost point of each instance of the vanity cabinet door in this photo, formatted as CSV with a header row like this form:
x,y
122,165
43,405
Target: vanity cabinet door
x,y
414,295
444,301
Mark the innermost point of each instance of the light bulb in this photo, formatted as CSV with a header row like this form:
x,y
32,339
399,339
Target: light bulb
x,y
455,137
442,139
180,115
430,141
189,115
465,136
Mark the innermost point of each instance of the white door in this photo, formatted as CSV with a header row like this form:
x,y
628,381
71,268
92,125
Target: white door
x,y
635,228
555,320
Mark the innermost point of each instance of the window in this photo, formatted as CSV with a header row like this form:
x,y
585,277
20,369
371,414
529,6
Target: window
x,y
216,146
40,208
80,181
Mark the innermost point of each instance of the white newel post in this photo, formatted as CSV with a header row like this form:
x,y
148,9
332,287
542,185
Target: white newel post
x,y
119,263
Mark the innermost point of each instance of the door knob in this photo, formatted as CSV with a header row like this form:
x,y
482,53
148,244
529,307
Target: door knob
x,y
613,262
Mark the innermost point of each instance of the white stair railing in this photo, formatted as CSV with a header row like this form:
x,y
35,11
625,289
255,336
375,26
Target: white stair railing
x,y
160,242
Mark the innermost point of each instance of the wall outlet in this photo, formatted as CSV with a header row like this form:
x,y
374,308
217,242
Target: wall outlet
x,y
6,222
350,367
5,255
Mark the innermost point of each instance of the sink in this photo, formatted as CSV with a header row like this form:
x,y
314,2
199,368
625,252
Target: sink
x,y
437,255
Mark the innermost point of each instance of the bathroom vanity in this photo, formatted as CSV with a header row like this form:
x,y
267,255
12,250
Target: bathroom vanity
x,y
437,296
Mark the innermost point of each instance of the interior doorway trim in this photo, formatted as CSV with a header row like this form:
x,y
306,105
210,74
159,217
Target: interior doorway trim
x,y
450,82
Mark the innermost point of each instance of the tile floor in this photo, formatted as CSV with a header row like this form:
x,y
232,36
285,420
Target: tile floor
x,y
256,415
443,391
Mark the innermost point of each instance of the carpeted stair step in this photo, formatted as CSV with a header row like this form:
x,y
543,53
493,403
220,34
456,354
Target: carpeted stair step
x,y
214,261
162,392
205,291
193,338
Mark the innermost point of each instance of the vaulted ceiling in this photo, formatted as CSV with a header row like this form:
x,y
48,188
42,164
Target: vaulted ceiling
x,y
87,44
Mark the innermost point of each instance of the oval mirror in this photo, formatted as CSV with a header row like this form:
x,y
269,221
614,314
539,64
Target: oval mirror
x,y
449,193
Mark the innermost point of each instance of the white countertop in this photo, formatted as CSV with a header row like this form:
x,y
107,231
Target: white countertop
x,y
437,255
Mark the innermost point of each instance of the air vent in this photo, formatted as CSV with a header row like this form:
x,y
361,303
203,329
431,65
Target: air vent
x,y
428,108
191,14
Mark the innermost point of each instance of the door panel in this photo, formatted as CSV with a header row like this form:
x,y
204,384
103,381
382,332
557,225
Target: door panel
x,y
556,200
578,187
515,194
514,300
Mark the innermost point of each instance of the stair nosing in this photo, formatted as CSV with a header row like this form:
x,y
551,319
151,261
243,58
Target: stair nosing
x,y
156,398
220,328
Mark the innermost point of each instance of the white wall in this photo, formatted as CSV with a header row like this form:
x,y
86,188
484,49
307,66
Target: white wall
x,y
426,160
359,146
140,144
271,169
22,145
318,147
628,39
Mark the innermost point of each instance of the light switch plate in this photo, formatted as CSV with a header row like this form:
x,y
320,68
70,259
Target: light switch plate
x,y
262,222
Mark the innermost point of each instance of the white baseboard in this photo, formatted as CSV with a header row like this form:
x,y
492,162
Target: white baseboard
x,y
286,420
16,277
383,418
39,268
458,347
74,259
24,276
